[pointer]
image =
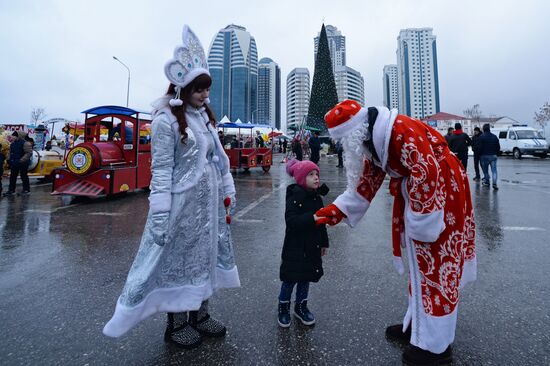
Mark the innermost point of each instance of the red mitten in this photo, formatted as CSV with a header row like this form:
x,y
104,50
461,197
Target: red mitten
x,y
227,203
330,215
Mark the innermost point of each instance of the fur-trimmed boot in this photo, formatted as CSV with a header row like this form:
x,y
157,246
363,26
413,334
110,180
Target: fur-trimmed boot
x,y
205,324
302,312
180,333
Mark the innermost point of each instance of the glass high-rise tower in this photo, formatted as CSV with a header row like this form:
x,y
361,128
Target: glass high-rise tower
x,y
233,65
417,75
269,94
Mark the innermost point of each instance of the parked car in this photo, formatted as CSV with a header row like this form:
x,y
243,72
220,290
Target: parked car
x,y
521,140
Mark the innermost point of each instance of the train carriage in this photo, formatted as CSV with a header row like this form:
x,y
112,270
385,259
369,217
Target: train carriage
x,y
243,154
120,164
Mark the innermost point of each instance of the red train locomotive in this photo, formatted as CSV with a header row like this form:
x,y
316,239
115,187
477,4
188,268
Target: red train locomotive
x,y
117,162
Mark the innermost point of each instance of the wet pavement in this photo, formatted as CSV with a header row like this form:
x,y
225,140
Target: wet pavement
x,y
62,268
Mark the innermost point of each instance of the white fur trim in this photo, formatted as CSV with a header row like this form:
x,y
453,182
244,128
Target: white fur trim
x,y
398,265
469,272
353,205
353,123
381,133
160,202
191,75
228,184
173,300
422,227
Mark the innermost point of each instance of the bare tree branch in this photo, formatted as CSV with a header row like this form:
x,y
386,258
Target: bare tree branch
x,y
37,114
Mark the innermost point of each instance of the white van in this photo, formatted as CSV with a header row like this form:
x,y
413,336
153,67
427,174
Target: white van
x,y
521,140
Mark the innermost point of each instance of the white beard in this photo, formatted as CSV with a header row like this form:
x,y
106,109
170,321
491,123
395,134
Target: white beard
x,y
355,154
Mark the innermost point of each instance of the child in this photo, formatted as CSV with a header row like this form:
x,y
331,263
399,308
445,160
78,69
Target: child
x,y
305,243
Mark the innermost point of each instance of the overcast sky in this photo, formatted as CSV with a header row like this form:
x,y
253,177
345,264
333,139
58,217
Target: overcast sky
x,y
57,54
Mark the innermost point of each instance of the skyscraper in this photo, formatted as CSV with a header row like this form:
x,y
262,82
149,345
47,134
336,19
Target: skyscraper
x,y
233,65
336,46
349,84
389,80
417,74
297,96
269,94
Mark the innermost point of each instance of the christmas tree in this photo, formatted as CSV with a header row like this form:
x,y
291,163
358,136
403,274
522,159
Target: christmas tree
x,y
323,89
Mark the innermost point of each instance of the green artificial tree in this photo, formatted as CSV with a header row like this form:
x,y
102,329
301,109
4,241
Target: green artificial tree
x,y
323,90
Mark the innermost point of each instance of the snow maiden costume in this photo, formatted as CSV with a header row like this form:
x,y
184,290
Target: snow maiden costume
x,y
186,249
433,219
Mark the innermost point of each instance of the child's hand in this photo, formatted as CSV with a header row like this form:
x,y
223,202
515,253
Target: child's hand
x,y
324,251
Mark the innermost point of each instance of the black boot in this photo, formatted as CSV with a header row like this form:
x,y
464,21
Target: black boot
x,y
302,312
395,333
204,324
284,314
180,333
415,356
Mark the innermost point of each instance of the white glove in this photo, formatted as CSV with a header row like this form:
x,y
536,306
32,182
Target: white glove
x,y
159,228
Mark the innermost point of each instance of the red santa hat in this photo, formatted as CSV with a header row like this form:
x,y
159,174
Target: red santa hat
x,y
345,117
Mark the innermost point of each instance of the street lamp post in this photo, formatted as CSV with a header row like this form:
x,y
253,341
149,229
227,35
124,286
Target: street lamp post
x,y
128,89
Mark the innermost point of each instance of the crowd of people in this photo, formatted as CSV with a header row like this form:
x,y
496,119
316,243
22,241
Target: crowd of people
x,y
485,146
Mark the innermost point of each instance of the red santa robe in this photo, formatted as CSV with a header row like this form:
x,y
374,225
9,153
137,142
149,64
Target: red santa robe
x,y
433,220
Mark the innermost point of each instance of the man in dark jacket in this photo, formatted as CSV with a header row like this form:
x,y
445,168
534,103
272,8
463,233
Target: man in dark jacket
x,y
20,157
489,148
475,148
458,143
315,147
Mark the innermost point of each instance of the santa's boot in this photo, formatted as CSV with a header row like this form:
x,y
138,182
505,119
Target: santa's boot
x,y
205,324
180,333
395,333
415,356
302,312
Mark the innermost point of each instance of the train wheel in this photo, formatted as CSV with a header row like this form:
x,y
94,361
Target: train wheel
x,y
266,168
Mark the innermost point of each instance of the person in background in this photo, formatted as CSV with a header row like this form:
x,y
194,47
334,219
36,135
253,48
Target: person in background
x,y
458,143
19,159
2,160
449,134
259,140
340,151
489,148
475,148
297,148
314,147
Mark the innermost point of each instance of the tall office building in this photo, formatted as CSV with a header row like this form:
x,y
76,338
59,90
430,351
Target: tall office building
x,y
269,94
297,96
336,46
233,65
417,75
389,80
349,84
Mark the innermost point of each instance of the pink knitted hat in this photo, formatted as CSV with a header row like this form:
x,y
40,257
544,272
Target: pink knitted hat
x,y
300,169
